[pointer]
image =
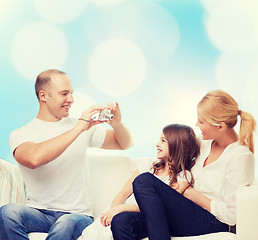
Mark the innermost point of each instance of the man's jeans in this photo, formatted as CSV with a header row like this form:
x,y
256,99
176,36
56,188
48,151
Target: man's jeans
x,y
17,220
164,213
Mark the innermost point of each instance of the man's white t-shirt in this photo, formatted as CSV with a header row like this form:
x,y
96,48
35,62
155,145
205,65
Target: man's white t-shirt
x,y
63,184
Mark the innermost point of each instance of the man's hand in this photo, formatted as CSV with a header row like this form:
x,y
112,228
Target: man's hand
x,y
115,110
85,121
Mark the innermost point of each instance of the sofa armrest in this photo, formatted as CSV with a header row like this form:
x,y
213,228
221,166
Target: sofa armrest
x,y
247,213
11,184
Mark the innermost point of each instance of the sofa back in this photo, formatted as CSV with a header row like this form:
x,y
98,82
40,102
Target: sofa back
x,y
108,173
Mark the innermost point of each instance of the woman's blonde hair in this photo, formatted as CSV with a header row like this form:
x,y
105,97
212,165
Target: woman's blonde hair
x,y
218,106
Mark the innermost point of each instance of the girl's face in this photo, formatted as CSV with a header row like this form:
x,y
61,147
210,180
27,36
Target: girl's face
x,y
162,148
209,131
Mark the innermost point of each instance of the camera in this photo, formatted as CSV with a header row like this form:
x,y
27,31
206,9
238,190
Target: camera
x,y
104,115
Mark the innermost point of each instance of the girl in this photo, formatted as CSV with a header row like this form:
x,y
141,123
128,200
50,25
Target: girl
x,y
225,163
176,152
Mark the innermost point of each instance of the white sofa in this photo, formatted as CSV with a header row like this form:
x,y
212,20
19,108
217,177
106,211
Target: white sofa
x,y
109,171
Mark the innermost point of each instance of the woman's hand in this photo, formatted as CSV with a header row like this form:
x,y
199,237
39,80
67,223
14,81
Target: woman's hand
x,y
107,216
198,198
189,193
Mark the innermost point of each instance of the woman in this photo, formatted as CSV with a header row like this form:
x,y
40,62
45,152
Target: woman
x,y
226,163
177,150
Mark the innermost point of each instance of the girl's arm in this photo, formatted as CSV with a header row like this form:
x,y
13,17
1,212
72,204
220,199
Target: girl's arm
x,y
107,217
126,191
118,204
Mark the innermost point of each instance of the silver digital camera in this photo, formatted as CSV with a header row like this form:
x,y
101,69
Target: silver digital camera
x,y
104,115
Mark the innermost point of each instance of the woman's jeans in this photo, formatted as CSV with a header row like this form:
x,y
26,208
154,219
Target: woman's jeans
x,y
164,213
17,220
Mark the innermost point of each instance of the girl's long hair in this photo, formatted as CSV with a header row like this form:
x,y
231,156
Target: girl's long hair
x,y
183,151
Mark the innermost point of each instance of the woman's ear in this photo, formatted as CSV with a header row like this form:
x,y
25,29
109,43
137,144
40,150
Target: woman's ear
x,y
222,126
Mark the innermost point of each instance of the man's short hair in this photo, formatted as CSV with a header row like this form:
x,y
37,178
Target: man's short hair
x,y
44,79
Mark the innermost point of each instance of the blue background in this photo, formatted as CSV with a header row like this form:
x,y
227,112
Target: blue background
x,y
157,58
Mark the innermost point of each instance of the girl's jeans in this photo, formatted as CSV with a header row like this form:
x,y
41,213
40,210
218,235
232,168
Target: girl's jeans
x,y
164,213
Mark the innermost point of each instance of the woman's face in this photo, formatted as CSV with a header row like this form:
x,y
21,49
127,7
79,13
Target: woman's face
x,y
162,148
209,131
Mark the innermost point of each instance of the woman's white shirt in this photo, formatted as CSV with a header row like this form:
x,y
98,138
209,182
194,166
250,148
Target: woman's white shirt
x,y
220,180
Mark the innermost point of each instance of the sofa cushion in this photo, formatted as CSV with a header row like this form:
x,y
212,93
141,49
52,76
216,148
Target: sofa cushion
x,y
108,173
11,184
213,236
37,236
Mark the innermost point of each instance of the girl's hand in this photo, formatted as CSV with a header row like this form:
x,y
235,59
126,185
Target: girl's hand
x,y
107,217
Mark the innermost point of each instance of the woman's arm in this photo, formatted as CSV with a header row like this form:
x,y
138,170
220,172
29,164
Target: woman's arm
x,y
182,186
198,198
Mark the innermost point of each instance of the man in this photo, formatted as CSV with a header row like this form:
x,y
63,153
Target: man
x,y
51,152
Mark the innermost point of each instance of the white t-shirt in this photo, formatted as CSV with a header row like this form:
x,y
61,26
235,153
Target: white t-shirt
x,y
63,184
220,180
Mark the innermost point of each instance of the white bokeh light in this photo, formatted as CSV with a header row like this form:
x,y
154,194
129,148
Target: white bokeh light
x,y
38,46
232,25
60,10
149,25
117,67
81,102
6,6
210,5
252,84
106,2
232,71
182,106
158,33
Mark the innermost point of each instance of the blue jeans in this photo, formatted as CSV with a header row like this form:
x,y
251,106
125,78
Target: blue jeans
x,y
164,213
17,220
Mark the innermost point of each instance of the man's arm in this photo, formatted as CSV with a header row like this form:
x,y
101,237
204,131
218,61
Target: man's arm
x,y
34,155
119,137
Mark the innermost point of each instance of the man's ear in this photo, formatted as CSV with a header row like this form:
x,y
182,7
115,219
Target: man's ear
x,y
42,95
222,126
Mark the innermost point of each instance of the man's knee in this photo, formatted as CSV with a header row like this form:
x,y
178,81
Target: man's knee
x,y
69,226
11,211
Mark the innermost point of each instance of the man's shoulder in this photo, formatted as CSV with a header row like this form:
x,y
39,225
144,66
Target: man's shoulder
x,y
24,128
